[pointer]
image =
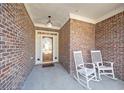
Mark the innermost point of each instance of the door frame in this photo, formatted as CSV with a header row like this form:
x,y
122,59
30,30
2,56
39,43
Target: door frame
x,y
38,45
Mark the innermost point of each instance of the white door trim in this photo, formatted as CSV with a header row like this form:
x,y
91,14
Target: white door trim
x,y
38,47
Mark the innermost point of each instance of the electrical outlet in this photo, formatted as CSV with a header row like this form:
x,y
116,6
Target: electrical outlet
x,y
32,58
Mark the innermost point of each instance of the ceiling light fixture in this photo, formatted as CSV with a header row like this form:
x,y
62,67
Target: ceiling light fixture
x,y
49,23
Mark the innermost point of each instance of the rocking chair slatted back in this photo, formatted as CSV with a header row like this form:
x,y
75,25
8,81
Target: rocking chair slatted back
x,y
78,58
96,56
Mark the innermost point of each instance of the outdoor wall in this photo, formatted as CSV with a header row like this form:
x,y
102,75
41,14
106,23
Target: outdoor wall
x,y
64,46
17,44
82,37
110,40
75,35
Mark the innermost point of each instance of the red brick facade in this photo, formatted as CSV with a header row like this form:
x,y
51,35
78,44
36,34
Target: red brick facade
x,y
64,46
75,35
110,40
17,43
107,35
82,37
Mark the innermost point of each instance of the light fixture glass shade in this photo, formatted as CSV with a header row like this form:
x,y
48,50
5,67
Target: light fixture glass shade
x,y
49,24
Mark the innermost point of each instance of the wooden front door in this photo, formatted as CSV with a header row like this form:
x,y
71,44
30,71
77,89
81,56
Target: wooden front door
x,y
47,49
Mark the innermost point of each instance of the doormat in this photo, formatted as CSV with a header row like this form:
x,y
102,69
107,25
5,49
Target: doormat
x,y
48,65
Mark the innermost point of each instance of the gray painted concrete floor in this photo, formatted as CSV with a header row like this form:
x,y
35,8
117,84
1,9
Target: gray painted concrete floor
x,y
56,78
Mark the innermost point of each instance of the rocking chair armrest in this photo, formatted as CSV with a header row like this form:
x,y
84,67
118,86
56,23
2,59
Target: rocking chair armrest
x,y
99,63
81,66
108,62
89,64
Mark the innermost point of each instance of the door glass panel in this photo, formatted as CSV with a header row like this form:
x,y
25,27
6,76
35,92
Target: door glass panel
x,y
47,49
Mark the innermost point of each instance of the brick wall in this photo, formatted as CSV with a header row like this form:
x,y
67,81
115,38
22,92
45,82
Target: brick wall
x,y
75,35
64,46
110,40
16,45
82,37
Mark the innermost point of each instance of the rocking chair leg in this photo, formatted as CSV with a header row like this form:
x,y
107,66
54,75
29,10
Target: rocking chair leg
x,y
77,74
113,75
99,76
78,80
88,83
95,77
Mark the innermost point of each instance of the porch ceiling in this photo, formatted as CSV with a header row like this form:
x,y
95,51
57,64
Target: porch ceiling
x,y
60,13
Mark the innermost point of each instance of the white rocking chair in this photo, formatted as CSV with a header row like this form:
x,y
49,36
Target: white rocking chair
x,y
104,67
82,70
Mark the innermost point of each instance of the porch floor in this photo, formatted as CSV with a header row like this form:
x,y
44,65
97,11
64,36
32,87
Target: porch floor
x,y
56,78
